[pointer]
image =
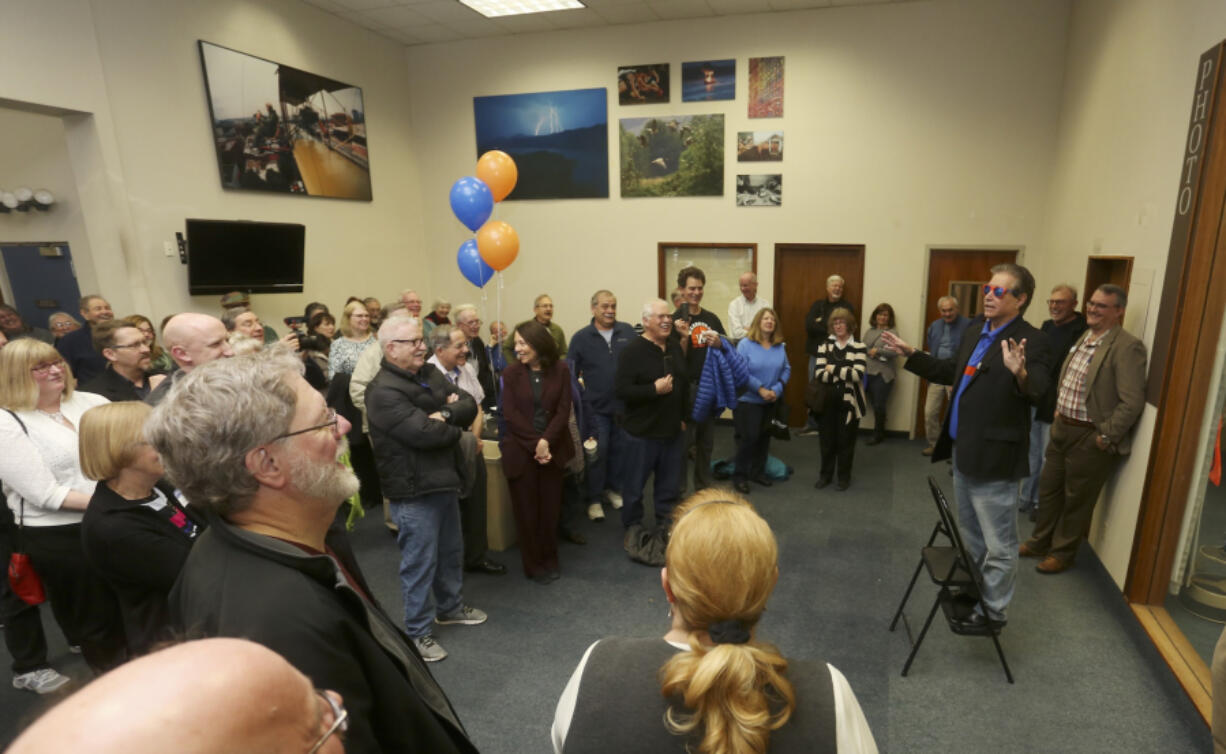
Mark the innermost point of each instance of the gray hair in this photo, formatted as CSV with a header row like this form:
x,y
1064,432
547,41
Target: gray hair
x,y
943,299
1121,295
651,302
1065,287
440,337
602,292
229,317
214,416
464,309
834,277
393,324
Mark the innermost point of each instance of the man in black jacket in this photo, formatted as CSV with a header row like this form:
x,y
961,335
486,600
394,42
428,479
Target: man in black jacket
x,y
1001,370
77,347
249,441
416,418
127,361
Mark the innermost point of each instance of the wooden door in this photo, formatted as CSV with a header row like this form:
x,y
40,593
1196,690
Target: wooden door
x,y
801,270
960,273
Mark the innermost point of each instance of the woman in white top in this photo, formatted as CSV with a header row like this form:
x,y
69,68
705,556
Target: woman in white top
x,y
709,685
47,494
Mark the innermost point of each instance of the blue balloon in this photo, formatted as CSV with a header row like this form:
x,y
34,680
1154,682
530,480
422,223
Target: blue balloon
x,y
472,266
472,202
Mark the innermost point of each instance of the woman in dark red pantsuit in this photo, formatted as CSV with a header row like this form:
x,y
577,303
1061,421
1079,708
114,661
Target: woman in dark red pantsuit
x,y
536,445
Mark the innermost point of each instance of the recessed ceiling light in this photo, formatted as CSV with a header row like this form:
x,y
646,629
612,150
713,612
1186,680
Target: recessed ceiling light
x,y
496,8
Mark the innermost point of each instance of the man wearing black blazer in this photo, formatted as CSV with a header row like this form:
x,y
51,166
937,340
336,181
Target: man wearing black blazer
x,y
1001,369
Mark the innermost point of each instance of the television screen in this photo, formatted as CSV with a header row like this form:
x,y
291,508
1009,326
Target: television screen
x,y
228,255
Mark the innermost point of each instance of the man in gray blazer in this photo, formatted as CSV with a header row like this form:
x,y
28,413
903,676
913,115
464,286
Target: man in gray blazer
x,y
1101,395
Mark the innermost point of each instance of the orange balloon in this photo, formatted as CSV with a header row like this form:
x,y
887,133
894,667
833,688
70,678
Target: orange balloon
x,y
498,244
497,170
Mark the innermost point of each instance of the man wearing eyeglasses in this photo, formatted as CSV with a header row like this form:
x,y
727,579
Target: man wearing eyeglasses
x,y
128,361
417,418
1002,369
252,444
1062,330
1101,395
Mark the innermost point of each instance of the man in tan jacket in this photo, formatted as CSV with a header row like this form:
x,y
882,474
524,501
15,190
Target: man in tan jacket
x,y
1101,394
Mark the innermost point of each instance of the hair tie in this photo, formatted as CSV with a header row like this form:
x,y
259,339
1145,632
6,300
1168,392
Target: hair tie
x,y
730,631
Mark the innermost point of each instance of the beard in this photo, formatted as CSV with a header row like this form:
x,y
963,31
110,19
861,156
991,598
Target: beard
x,y
324,481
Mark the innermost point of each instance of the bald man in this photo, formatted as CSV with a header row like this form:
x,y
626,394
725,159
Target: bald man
x,y
745,307
192,339
256,702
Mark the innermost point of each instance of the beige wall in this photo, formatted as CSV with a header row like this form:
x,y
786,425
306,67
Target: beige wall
x,y
1124,117
905,126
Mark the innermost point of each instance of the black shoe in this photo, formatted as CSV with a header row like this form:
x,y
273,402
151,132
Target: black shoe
x,y
574,537
741,486
544,579
763,480
842,486
487,566
875,440
821,483
976,624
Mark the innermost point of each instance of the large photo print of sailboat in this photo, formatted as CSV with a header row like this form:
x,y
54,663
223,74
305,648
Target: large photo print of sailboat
x,y
281,129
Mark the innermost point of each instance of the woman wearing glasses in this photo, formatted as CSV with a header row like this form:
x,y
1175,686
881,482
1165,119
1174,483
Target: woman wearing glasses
x,y
47,494
136,533
709,684
840,364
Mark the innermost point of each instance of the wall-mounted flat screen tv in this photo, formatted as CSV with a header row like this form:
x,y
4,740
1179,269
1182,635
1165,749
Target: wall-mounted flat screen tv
x,y
239,255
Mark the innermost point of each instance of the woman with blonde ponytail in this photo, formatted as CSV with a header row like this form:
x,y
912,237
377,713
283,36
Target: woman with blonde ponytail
x,y
710,686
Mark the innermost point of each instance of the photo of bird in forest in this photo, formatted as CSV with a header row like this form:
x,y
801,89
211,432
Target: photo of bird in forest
x,y
676,155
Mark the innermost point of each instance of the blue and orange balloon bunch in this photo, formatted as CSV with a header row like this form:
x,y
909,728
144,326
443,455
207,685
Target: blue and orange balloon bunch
x,y
472,200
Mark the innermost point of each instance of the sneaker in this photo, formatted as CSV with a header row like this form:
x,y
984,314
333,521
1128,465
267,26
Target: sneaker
x,y
429,649
42,681
614,499
1216,553
595,512
463,615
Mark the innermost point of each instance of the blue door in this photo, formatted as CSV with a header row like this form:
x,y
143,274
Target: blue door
x,y
43,280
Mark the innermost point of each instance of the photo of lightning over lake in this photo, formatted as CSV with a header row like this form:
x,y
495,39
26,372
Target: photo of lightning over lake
x,y
559,141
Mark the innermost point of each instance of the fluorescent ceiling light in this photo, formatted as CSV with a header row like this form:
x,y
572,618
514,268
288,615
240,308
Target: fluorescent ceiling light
x,y
496,8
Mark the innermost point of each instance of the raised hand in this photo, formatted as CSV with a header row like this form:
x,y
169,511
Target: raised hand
x,y
1014,355
897,343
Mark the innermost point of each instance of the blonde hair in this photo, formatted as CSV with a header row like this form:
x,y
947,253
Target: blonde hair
x,y
18,390
844,314
350,309
722,562
755,328
110,436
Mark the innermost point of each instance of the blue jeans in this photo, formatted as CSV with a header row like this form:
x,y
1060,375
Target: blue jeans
x,y
431,557
643,457
987,518
605,471
1040,434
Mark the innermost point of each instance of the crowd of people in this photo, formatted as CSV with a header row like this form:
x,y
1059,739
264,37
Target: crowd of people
x,y
201,486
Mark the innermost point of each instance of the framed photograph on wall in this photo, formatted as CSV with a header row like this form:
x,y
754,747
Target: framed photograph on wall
x,y
707,81
285,130
759,146
559,141
722,263
759,190
766,87
672,155
642,84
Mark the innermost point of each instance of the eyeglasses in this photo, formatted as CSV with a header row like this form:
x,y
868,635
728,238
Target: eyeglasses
x,y
47,366
998,291
137,344
331,423
1051,301
413,342
340,721
1092,304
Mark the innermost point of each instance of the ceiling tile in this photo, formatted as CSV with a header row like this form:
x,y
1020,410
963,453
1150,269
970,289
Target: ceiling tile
x,y
669,9
447,12
366,4
798,4
733,7
526,23
480,27
328,5
571,19
434,33
400,17
362,20
627,13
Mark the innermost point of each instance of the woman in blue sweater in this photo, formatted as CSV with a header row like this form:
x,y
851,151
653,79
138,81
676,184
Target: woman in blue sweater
x,y
766,356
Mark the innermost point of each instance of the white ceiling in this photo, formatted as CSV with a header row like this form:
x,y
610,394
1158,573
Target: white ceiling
x,y
414,22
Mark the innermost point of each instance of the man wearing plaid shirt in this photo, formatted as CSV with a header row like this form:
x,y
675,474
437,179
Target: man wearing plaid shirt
x,y
1102,392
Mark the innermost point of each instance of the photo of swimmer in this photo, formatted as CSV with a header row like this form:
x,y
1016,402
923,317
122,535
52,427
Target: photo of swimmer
x,y
759,190
642,84
281,129
707,81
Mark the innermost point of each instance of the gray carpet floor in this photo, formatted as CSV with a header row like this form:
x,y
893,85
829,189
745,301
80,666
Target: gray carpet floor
x,y
1087,678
